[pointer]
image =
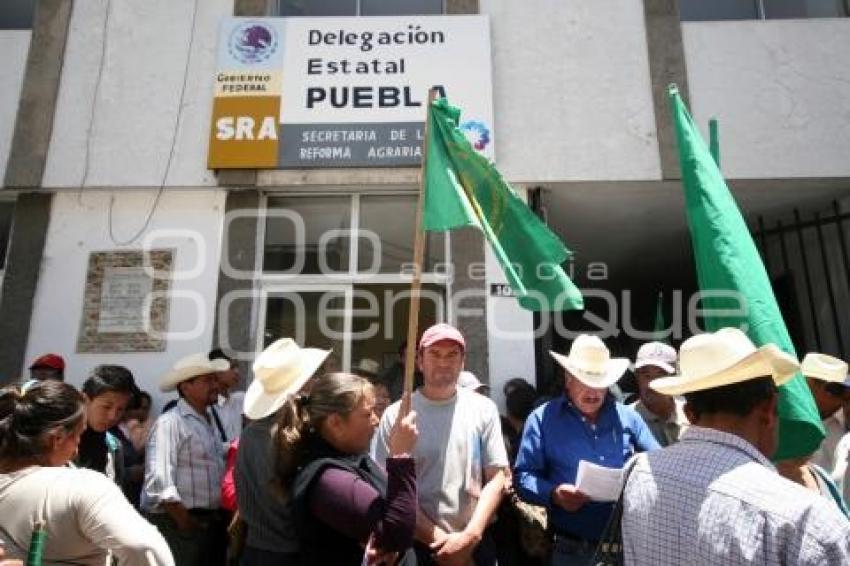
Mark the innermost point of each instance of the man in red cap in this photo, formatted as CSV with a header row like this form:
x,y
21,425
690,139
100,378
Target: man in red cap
x,y
460,456
48,366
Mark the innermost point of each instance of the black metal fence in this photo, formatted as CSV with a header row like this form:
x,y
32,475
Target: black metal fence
x,y
807,257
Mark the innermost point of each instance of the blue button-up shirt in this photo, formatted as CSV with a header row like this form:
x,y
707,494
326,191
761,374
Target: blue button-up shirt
x,y
557,437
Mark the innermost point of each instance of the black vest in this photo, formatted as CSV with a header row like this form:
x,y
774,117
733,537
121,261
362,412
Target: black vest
x,y
319,543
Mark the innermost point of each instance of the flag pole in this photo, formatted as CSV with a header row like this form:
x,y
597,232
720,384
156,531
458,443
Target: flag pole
x,y
418,257
714,141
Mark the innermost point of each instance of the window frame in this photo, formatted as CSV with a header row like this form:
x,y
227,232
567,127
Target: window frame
x,y
276,10
272,284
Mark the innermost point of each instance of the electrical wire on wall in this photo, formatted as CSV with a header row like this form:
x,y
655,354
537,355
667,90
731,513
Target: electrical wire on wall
x,y
89,137
176,129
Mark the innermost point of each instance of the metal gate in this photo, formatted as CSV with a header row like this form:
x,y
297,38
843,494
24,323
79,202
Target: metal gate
x,y
807,258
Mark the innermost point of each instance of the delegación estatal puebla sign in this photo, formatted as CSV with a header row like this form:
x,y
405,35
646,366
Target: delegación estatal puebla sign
x,y
344,92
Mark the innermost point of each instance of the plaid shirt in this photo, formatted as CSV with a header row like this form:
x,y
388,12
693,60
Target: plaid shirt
x,y
184,461
713,499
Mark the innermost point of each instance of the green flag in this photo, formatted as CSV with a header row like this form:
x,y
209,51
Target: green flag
x,y
462,188
727,260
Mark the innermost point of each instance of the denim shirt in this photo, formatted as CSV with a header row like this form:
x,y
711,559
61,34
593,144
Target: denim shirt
x,y
556,438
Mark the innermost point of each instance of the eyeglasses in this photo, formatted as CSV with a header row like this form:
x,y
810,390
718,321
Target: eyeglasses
x,y
837,390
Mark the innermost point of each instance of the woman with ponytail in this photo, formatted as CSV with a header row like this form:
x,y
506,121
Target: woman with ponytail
x,y
345,505
83,514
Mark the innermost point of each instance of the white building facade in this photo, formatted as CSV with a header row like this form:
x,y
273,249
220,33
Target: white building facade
x,y
105,127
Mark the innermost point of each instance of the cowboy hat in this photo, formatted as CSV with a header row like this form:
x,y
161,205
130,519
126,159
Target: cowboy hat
x,y
825,368
590,362
189,367
723,358
279,371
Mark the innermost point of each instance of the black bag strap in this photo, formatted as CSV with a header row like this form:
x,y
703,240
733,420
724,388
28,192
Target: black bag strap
x,y
218,425
610,548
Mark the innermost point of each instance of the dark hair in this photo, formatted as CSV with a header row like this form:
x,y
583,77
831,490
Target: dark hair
x,y
513,383
29,413
836,389
520,399
331,393
136,400
737,399
107,378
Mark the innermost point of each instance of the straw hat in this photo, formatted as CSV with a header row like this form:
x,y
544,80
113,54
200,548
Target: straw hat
x,y
188,367
591,363
279,371
824,368
722,358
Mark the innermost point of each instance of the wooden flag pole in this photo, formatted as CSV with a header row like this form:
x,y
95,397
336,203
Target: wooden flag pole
x,y
418,258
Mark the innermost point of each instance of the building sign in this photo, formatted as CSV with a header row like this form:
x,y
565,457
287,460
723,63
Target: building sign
x,y
125,305
501,290
344,92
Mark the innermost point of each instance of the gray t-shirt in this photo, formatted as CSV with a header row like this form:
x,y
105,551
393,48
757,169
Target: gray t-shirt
x,y
458,439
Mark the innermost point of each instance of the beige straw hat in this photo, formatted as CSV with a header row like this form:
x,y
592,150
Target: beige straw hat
x,y
722,358
279,371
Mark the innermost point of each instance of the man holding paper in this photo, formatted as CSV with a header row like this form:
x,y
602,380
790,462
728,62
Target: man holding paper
x,y
585,425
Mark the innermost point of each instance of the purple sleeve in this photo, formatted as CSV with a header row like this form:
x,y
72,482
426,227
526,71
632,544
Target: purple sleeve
x,y
350,505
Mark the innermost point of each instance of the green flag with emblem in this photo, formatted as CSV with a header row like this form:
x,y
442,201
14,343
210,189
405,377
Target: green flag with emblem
x,y
462,188
727,260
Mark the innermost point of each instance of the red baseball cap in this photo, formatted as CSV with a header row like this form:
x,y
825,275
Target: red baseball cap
x,y
52,361
440,332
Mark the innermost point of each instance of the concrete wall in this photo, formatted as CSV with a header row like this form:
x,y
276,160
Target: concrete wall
x,y
572,94
14,45
780,90
136,106
79,226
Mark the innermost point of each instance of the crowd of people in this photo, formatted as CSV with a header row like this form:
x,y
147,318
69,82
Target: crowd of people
x,y
310,466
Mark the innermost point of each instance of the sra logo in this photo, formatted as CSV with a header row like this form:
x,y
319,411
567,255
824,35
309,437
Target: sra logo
x,y
246,128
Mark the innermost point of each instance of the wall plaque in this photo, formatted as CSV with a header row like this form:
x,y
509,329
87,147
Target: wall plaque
x,y
125,307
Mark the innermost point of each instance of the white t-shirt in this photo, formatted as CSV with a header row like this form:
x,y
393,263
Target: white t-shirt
x,y
230,412
85,514
458,439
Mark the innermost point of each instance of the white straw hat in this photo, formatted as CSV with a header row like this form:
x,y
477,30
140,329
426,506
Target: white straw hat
x,y
279,371
824,368
722,358
591,363
191,366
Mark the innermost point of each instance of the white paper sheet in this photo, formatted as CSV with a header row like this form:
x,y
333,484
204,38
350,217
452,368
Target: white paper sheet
x,y
598,482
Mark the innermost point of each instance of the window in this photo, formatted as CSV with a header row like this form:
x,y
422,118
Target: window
x,y
777,9
16,14
358,7
708,10
336,274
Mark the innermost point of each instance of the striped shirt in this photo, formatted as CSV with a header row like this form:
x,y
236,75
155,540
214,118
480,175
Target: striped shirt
x,y
268,517
714,499
184,461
